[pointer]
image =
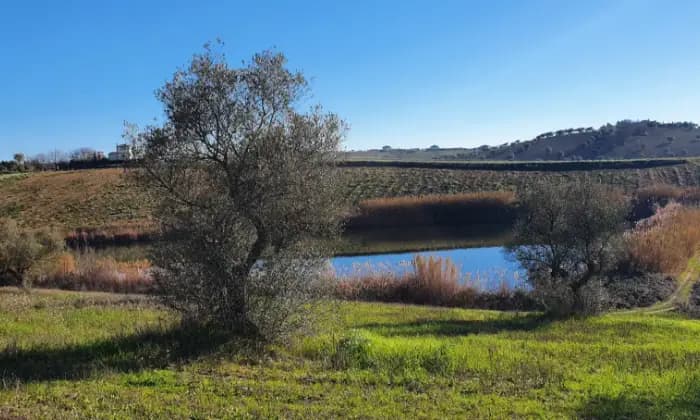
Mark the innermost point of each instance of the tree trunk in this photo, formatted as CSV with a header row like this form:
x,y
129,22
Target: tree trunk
x,y
240,316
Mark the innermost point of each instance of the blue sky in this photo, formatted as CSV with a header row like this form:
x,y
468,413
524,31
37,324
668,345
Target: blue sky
x,y
402,73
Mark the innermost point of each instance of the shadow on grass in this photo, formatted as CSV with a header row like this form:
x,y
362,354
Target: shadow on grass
x,y
152,349
460,327
681,402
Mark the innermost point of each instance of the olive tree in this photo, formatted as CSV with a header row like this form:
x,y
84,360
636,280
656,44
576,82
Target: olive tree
x,y
245,187
567,236
20,249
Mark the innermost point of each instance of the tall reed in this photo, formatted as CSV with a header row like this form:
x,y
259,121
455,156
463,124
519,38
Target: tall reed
x,y
86,271
497,207
431,281
666,241
111,235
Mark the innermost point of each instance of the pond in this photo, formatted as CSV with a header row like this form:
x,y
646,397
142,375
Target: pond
x,y
488,267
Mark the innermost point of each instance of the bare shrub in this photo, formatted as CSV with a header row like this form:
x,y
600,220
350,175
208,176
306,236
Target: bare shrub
x,y
554,294
245,187
594,296
20,249
631,290
692,306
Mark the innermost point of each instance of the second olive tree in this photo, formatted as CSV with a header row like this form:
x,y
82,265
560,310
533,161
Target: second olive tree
x,y
566,238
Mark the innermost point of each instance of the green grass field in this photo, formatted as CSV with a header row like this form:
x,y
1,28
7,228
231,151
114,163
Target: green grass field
x,y
110,356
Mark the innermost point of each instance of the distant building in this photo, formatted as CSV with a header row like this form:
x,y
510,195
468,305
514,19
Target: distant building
x,y
83,154
123,152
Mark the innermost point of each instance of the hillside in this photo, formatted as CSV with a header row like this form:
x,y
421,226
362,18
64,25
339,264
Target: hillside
x,y
624,140
105,197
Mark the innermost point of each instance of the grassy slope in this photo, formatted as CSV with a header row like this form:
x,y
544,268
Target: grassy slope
x,y
73,199
104,197
93,355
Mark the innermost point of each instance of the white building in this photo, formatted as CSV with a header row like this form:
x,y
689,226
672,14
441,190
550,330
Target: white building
x,y
123,152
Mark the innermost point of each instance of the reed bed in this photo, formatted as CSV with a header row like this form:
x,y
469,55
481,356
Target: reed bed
x,y
664,242
87,272
665,192
116,235
496,207
647,200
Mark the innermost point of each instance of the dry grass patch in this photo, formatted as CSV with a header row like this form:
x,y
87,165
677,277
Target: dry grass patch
x,y
72,199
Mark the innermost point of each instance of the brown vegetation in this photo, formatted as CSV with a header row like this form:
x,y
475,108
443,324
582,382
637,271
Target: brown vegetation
x,y
665,192
22,248
648,199
68,200
88,272
467,208
666,241
111,235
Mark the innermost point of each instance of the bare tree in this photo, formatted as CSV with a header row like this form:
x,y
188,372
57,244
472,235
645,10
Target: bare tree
x,y
566,236
58,156
246,186
83,153
40,158
18,158
53,157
